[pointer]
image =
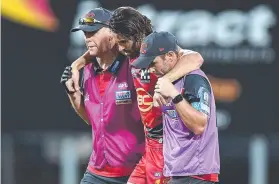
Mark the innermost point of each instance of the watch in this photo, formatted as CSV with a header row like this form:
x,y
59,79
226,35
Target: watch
x,y
177,99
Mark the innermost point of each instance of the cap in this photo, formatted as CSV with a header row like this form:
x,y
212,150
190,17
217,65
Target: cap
x,y
94,20
155,44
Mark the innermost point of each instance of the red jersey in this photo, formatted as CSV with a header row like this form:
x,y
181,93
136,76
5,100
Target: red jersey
x,y
151,116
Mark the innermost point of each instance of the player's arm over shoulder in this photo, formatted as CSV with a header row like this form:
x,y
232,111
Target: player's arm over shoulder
x,y
186,51
188,61
197,92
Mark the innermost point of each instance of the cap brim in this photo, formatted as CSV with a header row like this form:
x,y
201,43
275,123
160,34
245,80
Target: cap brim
x,y
88,28
143,61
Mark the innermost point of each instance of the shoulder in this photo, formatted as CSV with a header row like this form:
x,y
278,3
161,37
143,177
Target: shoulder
x,y
194,82
186,51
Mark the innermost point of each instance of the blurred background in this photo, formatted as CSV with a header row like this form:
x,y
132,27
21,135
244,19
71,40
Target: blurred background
x,y
44,141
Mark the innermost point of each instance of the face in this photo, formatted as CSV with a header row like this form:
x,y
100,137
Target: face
x,y
99,42
127,46
163,64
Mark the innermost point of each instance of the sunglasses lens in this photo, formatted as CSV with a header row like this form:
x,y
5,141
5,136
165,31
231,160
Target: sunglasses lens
x,y
89,20
86,21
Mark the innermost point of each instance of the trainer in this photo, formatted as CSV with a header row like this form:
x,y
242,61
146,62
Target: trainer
x,y
190,147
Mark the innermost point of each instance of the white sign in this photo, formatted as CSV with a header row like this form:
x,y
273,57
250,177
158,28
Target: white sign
x,y
230,36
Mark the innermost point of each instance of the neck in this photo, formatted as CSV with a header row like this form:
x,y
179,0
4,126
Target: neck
x,y
107,58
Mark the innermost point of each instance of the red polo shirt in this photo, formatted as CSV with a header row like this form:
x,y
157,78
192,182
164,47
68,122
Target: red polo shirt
x,y
102,79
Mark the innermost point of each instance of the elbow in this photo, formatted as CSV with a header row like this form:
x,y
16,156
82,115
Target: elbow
x,y
200,126
198,130
199,59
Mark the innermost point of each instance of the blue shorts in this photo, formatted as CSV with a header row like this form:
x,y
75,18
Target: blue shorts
x,y
90,178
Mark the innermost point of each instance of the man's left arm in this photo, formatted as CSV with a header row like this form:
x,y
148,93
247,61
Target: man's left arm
x,y
188,62
194,109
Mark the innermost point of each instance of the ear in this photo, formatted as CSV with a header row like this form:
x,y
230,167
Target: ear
x,y
110,38
111,41
170,56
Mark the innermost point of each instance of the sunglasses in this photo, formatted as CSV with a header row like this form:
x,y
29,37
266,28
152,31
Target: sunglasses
x,y
90,21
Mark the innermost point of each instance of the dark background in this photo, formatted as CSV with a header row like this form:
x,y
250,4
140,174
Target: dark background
x,y
35,107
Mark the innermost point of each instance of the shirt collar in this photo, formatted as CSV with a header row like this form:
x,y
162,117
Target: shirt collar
x,y
114,67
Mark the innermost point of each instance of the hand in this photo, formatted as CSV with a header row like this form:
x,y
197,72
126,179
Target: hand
x,y
66,80
75,79
158,100
166,88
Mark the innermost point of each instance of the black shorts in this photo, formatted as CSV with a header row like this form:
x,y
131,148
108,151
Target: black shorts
x,y
90,178
187,180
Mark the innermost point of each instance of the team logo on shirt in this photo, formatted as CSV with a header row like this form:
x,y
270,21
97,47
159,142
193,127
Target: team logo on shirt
x,y
123,97
122,85
170,111
145,100
144,76
204,104
172,114
157,174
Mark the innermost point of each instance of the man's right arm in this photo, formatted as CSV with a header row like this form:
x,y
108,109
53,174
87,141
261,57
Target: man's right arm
x,y
77,102
76,97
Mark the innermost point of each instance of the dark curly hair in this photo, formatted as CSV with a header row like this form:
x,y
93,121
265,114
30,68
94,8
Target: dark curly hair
x,y
130,23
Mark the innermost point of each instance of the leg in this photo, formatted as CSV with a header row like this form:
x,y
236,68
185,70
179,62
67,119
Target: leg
x,y
116,180
90,178
187,180
154,169
138,176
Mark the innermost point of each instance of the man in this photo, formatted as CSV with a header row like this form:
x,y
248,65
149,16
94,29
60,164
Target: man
x,y
130,27
191,149
108,104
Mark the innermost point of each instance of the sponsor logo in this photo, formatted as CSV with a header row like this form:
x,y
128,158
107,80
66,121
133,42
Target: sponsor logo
x,y
172,114
145,101
157,174
238,36
123,97
145,76
123,85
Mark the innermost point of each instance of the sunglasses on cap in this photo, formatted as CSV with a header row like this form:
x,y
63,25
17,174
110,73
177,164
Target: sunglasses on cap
x,y
90,21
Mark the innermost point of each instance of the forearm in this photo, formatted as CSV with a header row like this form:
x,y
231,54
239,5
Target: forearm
x,y
188,62
81,62
192,119
78,105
